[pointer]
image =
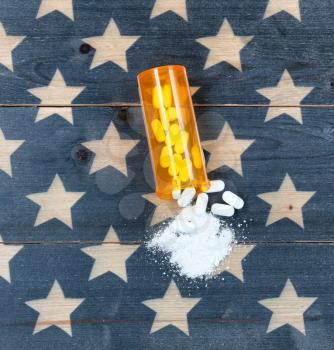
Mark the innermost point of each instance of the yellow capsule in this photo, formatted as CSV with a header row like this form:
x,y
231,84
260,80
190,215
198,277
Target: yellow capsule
x,y
184,175
170,141
164,157
158,130
174,132
174,129
181,142
172,114
164,118
175,164
178,159
184,170
196,157
155,98
179,148
173,170
167,95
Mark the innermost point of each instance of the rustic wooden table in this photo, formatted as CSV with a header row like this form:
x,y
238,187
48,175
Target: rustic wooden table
x,y
76,190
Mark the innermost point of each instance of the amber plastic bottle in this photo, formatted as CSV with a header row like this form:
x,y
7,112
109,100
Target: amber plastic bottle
x,y
174,144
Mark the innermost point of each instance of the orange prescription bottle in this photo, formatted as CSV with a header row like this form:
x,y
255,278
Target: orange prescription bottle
x,y
174,144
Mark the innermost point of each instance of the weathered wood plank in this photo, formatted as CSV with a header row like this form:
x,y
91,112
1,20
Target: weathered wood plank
x,y
107,186
266,42
227,313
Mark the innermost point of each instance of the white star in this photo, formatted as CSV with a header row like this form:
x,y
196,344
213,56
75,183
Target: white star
x,y
288,308
172,309
164,209
289,6
287,202
7,148
57,93
194,89
226,150
110,151
177,6
110,256
111,46
225,46
63,6
54,310
7,253
56,203
284,95
233,263
7,44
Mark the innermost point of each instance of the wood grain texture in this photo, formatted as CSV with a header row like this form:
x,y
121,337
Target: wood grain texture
x,y
285,37
229,310
76,185
282,146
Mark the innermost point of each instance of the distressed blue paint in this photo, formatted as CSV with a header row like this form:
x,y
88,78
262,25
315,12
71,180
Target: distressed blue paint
x,y
280,42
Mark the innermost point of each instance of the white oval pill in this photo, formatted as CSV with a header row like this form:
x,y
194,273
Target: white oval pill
x,y
201,203
233,200
222,210
216,186
186,197
176,194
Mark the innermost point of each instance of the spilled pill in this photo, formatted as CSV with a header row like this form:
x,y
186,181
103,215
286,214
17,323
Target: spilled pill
x,y
186,197
222,209
216,186
233,200
176,194
201,203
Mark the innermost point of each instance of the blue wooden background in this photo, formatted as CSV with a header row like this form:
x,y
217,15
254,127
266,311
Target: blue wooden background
x,y
112,315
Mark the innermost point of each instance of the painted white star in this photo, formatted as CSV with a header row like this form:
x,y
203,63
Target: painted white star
x,y
193,90
289,6
177,6
172,309
55,203
57,93
54,310
164,209
110,256
7,148
285,94
111,46
225,46
7,44
110,151
287,202
63,6
226,150
233,263
288,308
7,253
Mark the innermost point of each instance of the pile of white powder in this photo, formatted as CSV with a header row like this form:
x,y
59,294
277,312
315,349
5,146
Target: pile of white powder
x,y
198,253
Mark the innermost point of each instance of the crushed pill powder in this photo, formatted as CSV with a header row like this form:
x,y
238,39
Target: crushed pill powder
x,y
198,253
